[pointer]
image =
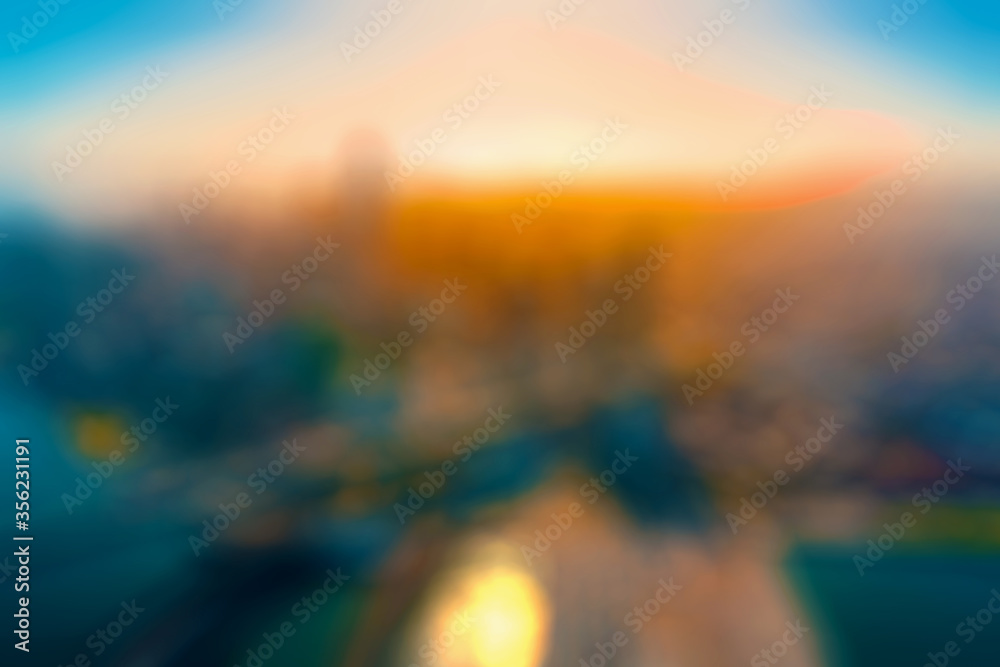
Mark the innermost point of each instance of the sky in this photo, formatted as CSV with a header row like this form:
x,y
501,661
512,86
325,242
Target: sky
x,y
228,67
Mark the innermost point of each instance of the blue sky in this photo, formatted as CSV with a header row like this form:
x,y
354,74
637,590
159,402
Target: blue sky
x,y
959,38
86,37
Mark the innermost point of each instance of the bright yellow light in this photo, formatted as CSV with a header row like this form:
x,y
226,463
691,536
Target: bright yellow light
x,y
486,615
